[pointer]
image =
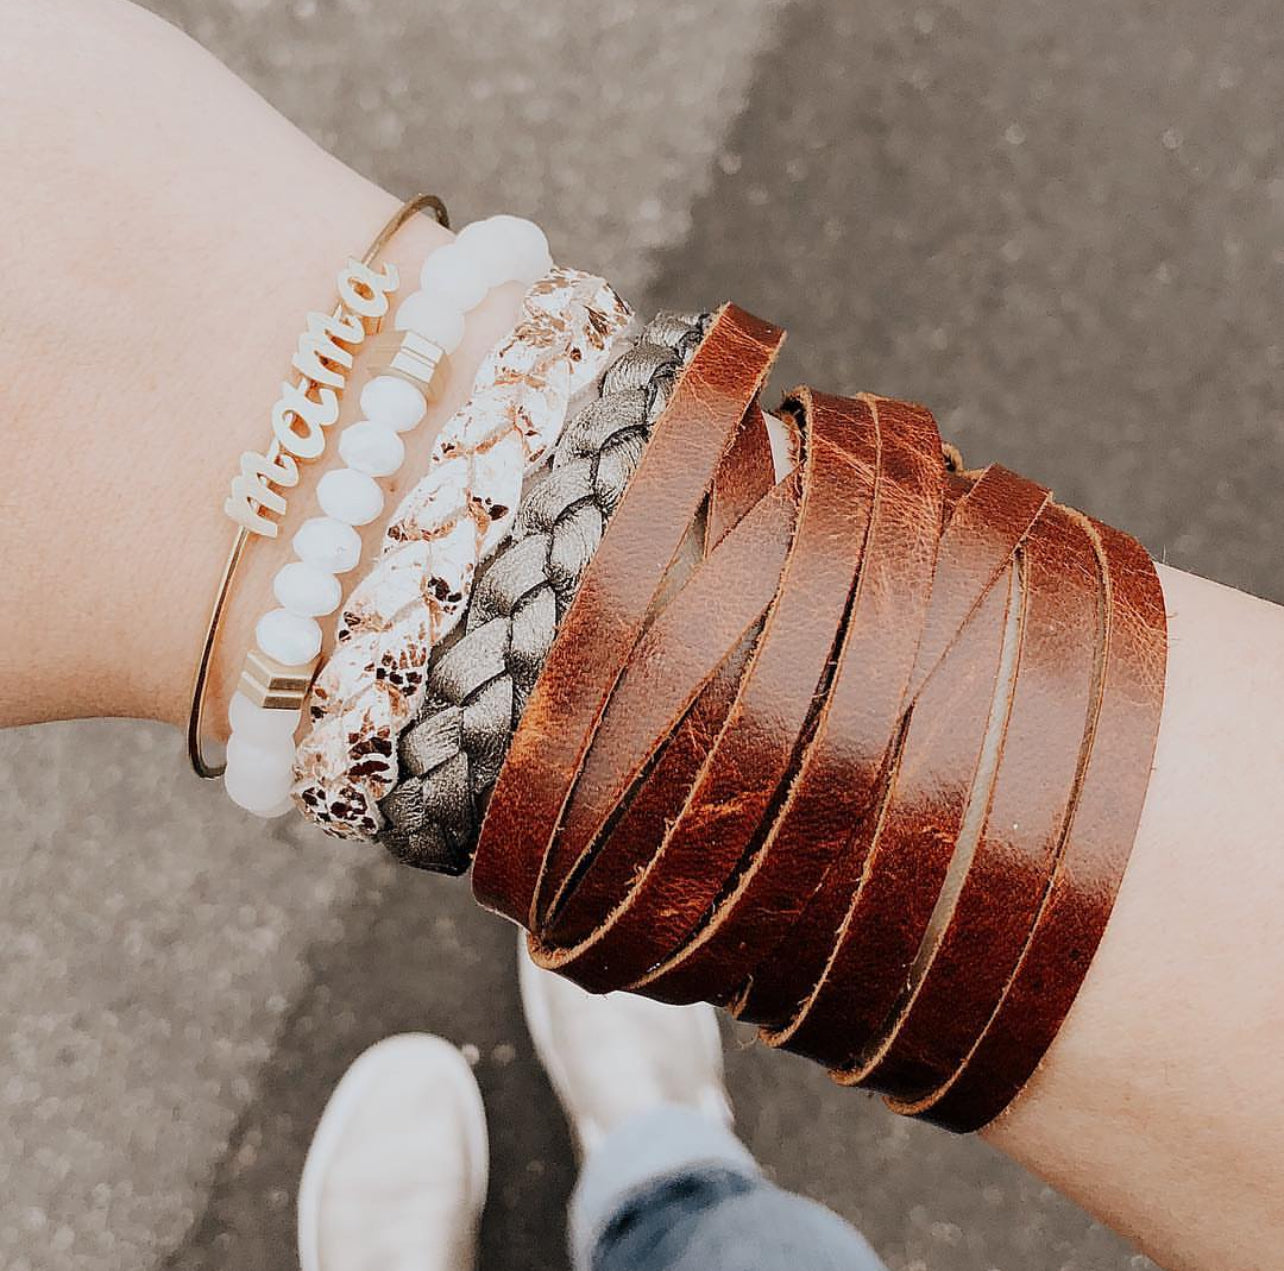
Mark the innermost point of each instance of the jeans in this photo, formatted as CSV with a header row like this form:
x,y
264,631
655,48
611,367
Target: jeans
x,y
673,1191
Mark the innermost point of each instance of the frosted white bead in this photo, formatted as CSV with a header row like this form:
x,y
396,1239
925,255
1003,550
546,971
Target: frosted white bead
x,y
306,590
273,757
432,316
259,725
391,401
371,448
328,544
288,638
259,776
452,274
506,249
247,793
350,497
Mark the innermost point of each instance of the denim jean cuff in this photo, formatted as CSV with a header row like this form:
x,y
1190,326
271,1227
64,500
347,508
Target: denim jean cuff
x,y
634,1157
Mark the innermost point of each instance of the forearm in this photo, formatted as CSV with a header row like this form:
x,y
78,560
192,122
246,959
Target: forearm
x,y
1160,1106
171,247
171,244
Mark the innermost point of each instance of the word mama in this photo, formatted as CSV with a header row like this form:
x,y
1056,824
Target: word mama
x,y
306,408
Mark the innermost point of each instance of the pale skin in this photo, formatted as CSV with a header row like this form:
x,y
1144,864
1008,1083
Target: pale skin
x,y
161,249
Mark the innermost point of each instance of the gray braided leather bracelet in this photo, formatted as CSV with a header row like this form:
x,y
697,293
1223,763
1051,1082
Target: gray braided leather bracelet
x,y
478,686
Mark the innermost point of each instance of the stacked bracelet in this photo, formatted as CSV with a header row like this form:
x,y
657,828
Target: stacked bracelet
x,y
819,726
265,712
446,526
867,774
478,687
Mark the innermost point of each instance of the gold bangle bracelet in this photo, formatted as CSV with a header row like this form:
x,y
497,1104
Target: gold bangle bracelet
x,y
200,683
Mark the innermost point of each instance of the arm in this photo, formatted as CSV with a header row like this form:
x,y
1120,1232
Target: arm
x,y
146,338
162,251
1160,1106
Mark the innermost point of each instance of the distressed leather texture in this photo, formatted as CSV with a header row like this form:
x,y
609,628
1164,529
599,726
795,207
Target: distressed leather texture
x,y
858,752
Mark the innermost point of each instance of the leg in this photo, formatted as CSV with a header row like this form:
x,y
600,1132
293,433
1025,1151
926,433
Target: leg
x,y
712,1212
665,1183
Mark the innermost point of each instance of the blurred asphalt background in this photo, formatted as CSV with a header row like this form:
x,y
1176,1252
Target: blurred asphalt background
x,y
1058,225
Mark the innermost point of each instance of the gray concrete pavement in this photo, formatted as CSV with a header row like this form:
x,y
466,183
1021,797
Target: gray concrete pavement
x,y
1059,226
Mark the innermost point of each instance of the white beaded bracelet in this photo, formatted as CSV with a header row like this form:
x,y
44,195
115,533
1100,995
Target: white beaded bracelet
x,y
265,711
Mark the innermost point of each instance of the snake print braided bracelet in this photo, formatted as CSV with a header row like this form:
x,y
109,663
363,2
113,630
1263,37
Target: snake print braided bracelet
x,y
477,688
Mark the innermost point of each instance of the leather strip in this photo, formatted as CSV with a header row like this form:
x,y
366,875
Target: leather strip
x,y
667,889
744,476
905,851
722,600
966,966
986,527
793,848
896,602
670,667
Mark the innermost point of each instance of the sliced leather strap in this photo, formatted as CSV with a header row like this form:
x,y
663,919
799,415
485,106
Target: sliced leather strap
x,y
790,852
666,888
670,667
744,475
969,561
861,760
980,936
906,850
904,854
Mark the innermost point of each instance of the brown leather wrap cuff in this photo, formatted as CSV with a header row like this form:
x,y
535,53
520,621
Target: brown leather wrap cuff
x,y
858,753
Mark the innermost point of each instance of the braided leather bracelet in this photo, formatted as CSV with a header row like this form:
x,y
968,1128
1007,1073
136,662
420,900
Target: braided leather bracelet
x,y
868,775
478,687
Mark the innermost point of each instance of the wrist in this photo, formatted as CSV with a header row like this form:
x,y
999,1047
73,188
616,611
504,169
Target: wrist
x,y
252,592
170,306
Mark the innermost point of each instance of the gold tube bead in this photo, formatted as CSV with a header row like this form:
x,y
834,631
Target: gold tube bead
x,y
273,685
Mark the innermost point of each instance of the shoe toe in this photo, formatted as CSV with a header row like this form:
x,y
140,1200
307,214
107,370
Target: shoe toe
x,y
396,1173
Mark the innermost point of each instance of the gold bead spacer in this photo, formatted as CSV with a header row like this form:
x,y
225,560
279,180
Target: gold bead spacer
x,y
411,357
275,686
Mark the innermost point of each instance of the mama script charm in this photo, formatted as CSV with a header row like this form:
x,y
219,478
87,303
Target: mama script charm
x,y
310,405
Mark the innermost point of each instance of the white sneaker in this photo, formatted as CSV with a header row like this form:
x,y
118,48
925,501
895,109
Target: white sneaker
x,y
609,1057
396,1174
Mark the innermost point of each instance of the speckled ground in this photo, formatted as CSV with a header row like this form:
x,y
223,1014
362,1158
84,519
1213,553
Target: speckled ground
x,y
1058,225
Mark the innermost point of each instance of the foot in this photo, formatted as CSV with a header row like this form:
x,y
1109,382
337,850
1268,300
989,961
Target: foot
x,y
396,1174
611,1057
